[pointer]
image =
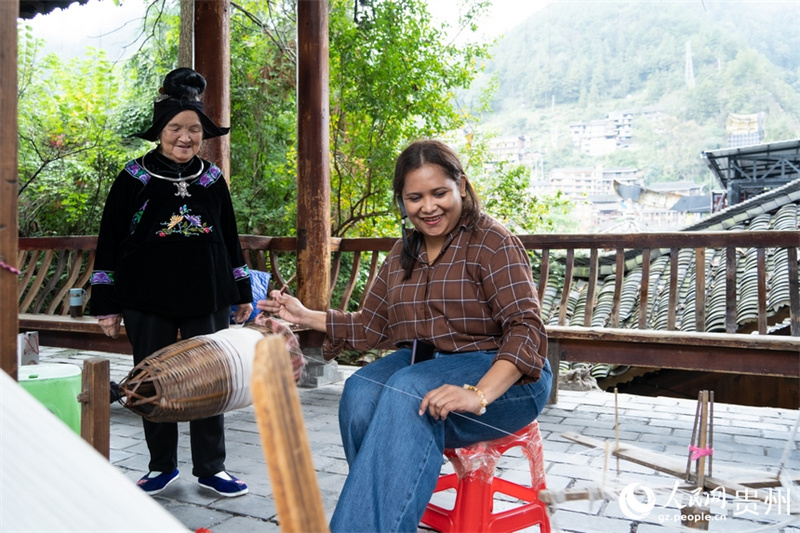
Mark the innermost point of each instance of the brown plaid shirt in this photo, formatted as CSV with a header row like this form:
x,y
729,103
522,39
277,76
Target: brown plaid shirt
x,y
479,295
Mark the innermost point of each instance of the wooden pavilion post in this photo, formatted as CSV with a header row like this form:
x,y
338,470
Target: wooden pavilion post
x,y
186,39
212,52
9,11
313,164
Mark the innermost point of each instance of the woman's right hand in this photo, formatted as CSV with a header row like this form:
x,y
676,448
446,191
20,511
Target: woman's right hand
x,y
290,309
110,325
284,305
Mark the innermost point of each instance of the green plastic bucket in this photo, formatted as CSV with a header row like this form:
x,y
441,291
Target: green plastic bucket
x,y
57,387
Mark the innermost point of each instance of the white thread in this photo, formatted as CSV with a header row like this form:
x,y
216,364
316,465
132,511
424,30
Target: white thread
x,y
420,399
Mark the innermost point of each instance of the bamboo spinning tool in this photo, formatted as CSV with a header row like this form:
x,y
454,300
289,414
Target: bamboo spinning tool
x,y
203,376
699,449
284,439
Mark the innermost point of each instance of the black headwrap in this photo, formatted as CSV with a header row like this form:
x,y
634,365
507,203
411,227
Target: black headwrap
x,y
182,90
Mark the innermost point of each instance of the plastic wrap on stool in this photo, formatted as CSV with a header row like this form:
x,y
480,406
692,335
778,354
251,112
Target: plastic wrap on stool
x,y
477,461
476,485
202,376
480,459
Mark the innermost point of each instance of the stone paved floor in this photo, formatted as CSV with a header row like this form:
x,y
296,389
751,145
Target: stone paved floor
x,y
757,439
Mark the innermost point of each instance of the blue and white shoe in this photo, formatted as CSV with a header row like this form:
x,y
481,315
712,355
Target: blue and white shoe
x,y
224,484
155,482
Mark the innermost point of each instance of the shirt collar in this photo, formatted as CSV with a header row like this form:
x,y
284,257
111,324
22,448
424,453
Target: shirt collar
x,y
462,227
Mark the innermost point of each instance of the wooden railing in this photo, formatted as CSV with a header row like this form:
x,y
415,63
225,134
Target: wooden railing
x,y
641,250
722,301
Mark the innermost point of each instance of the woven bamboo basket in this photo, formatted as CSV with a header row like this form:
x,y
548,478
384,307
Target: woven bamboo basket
x,y
202,376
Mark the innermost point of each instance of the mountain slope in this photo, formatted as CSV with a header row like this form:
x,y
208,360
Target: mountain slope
x,y
578,61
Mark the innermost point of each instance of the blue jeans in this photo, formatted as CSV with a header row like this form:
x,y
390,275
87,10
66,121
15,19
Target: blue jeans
x,y
394,454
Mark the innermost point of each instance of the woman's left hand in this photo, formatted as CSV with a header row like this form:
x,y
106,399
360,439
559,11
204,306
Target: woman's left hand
x,y
242,313
448,399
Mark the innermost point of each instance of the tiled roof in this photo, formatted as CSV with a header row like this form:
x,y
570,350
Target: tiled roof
x,y
778,209
753,165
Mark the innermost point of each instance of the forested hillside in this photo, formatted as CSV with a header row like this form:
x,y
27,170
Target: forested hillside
x,y
578,61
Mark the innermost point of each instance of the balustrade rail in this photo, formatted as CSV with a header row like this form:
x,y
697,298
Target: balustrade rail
x,y
612,298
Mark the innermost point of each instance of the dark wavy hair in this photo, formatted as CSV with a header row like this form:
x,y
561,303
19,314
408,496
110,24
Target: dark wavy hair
x,y
416,155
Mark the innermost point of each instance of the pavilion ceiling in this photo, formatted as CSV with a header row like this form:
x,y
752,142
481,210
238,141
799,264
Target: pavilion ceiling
x,y
30,8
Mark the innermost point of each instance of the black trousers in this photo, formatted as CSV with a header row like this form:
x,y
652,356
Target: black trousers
x,y
149,332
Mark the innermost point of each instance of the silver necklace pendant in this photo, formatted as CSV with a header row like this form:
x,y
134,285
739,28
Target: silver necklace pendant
x,y
183,189
180,182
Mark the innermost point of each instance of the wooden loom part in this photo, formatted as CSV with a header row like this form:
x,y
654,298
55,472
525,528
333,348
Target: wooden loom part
x,y
746,478
284,439
704,423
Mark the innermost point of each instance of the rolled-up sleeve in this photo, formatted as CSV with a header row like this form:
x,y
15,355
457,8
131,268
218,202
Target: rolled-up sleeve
x,y
362,330
515,307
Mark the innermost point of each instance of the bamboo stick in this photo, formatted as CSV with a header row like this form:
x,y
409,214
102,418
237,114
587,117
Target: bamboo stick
x,y
703,439
284,439
687,477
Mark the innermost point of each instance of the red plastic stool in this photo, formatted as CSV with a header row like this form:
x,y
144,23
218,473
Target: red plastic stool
x,y
475,486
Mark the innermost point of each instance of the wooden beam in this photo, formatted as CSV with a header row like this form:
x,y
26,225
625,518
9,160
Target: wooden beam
x,y
662,239
78,333
313,164
276,404
711,352
9,11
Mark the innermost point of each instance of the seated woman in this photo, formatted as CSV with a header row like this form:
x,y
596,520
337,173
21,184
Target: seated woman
x,y
456,298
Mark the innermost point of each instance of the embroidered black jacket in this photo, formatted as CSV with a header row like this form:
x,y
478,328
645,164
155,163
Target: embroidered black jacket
x,y
163,252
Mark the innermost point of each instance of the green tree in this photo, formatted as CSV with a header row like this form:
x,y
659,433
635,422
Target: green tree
x,y
393,79
69,145
264,117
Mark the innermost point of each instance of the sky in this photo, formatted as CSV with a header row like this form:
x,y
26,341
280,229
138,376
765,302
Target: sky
x,y
99,24
503,15
102,24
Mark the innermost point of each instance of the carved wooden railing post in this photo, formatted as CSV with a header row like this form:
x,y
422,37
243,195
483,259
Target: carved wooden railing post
x,y
95,404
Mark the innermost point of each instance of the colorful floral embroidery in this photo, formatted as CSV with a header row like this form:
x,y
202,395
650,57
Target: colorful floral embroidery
x,y
136,170
210,176
241,272
184,224
138,217
102,277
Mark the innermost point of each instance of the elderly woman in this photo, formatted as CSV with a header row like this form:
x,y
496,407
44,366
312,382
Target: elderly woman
x,y
169,262
457,300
